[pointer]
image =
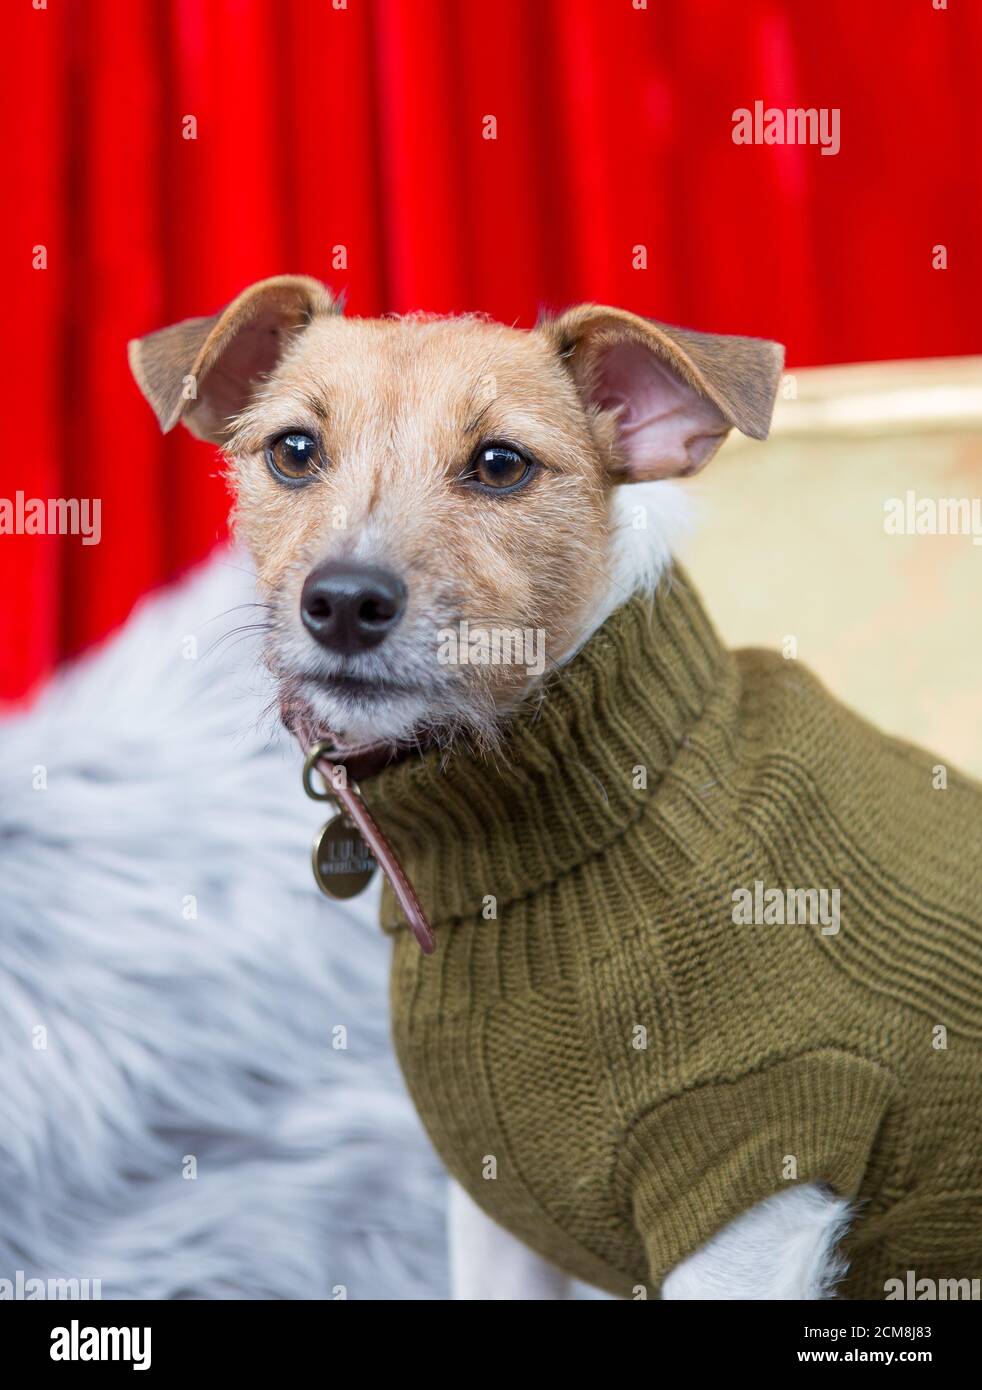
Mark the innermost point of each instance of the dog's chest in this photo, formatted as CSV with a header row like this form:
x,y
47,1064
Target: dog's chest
x,y
500,1089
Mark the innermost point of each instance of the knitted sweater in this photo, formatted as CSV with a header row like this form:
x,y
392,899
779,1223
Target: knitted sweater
x,y
623,1041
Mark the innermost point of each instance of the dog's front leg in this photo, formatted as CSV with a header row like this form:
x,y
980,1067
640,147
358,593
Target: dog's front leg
x,y
785,1247
489,1264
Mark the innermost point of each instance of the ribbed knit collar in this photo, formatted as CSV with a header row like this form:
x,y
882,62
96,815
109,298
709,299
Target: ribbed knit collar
x,y
565,782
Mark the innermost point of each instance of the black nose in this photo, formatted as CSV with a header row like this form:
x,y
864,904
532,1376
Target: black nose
x,y
350,607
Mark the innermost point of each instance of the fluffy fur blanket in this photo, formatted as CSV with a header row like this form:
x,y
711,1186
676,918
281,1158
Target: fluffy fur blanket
x,y
178,1116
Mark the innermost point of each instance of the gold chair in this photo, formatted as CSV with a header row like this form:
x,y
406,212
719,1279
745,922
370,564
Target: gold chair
x,y
793,543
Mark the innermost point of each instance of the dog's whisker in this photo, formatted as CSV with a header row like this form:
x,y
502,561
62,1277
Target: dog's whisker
x,y
240,634
236,608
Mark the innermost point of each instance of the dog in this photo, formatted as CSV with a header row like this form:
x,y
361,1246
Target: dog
x,y
404,484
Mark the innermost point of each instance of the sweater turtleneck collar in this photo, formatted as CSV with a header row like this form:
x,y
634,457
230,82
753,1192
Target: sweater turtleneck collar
x,y
572,771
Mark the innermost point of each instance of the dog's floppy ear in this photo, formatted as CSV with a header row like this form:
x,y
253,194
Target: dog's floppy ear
x,y
676,393
203,371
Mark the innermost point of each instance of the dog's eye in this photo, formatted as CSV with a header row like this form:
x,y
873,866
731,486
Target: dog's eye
x,y
293,458
498,467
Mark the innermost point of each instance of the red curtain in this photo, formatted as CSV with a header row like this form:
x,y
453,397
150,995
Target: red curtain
x,y
362,125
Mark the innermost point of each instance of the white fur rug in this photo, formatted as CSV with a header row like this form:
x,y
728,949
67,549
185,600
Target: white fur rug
x,y
136,1036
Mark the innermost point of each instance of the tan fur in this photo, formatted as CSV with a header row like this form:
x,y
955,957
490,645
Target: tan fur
x,y
399,407
228,351
739,375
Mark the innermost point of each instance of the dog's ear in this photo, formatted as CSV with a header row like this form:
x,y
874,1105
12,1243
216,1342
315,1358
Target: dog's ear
x,y
676,393
203,371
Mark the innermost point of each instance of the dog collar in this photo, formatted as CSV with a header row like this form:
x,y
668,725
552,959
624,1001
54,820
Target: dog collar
x,y
349,846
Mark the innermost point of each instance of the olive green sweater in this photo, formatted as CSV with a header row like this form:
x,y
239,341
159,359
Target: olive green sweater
x,y
608,1051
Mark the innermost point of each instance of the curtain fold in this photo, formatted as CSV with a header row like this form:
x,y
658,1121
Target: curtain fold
x,y
349,141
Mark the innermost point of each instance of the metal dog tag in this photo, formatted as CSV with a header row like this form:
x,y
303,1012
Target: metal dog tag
x,y
343,863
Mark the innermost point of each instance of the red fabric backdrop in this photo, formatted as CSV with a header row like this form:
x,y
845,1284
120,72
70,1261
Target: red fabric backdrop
x,y
363,127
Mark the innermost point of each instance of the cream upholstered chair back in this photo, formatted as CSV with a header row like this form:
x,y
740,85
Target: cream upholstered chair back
x,y
855,533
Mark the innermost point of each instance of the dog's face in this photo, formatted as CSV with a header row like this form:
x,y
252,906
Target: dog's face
x,y
438,473
427,500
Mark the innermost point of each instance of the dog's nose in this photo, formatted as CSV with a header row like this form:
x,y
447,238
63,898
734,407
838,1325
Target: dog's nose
x,y
349,607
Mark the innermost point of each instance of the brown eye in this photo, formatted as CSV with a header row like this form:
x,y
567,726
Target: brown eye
x,y
293,458
498,467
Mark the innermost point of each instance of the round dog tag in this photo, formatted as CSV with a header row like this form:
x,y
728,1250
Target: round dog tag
x,y
343,863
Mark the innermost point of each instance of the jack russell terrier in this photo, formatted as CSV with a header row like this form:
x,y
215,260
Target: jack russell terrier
x,y
646,1057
